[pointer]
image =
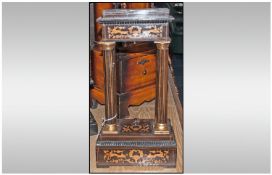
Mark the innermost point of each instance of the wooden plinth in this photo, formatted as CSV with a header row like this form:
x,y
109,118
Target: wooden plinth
x,y
145,111
136,145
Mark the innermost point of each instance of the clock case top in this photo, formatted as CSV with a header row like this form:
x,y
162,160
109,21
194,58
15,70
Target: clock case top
x,y
135,24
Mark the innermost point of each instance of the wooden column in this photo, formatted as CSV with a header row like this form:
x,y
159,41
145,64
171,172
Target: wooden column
x,y
161,126
110,87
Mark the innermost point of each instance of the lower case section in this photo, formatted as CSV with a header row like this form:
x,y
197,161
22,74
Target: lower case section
x,y
135,156
136,145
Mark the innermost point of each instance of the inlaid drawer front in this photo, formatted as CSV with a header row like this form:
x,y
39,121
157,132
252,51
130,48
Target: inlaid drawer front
x,y
118,156
135,32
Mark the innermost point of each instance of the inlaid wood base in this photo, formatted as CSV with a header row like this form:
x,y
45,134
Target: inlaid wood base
x,y
136,145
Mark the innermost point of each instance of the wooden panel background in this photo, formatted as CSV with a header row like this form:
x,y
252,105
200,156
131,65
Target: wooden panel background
x,y
147,111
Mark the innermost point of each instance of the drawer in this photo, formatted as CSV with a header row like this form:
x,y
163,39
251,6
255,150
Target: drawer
x,y
138,72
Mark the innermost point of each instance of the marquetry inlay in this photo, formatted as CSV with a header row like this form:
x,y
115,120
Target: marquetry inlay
x,y
156,156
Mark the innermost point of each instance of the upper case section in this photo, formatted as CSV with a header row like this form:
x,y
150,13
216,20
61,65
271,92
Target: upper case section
x,y
153,15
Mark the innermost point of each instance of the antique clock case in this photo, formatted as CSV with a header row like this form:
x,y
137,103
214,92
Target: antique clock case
x,y
126,141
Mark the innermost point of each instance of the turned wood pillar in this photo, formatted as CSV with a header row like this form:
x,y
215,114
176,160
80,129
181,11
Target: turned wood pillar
x,y
110,87
161,126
